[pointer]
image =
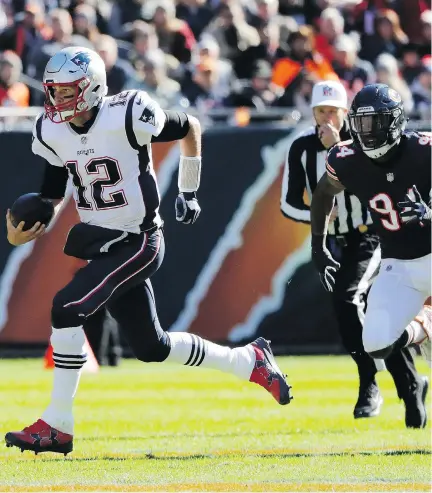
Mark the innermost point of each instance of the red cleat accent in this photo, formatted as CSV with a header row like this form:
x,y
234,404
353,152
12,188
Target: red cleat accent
x,y
267,373
40,437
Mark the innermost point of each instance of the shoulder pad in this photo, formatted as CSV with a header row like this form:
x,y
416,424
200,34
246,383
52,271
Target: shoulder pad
x,y
337,156
119,99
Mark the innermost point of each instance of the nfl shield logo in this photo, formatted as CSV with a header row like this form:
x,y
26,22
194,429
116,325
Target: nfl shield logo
x,y
390,177
327,91
84,140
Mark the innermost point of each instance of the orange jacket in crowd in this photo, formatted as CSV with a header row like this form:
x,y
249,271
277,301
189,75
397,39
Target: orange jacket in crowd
x,y
286,70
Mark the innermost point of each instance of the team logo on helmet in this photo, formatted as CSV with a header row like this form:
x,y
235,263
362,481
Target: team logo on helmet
x,y
82,60
394,96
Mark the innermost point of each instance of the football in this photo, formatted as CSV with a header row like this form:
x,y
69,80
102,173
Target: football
x,y
31,208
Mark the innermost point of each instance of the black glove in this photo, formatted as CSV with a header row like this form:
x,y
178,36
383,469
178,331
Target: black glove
x,y
415,210
187,207
324,262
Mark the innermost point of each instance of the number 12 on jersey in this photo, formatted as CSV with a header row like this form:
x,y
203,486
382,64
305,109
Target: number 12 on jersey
x,y
106,173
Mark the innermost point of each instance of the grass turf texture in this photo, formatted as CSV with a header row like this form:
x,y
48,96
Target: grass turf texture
x,y
171,428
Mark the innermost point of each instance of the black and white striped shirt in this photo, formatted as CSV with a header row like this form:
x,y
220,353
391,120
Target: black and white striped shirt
x,y
304,166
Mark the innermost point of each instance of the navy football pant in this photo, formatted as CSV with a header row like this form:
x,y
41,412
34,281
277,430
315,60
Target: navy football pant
x,y
119,280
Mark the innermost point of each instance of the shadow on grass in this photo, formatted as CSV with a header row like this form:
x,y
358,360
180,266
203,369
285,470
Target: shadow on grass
x,y
265,455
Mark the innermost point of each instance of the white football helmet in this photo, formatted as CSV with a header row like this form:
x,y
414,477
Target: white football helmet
x,y
77,67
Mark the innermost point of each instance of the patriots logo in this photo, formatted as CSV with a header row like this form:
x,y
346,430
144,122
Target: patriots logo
x,y
81,60
327,91
148,116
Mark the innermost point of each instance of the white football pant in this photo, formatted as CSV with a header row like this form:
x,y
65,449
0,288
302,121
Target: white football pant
x,y
396,297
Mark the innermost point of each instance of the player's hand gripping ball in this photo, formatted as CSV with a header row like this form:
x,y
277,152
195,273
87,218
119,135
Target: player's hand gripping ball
x,y
28,218
31,208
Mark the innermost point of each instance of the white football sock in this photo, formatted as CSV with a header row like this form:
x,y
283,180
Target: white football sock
x,y
69,358
192,350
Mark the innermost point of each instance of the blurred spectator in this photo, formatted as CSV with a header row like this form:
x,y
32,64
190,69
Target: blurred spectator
x,y
257,93
208,49
144,40
27,32
217,52
231,31
301,58
3,18
331,25
411,63
365,12
421,90
287,26
102,9
409,13
84,22
301,98
196,14
298,10
425,37
353,72
61,36
154,80
202,90
261,12
174,35
268,32
123,12
12,92
118,71
388,37
388,73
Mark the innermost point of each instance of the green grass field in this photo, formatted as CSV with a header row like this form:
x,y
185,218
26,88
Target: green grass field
x,y
170,428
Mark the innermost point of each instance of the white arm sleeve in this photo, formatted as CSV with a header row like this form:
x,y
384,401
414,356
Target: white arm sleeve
x,y
148,118
40,147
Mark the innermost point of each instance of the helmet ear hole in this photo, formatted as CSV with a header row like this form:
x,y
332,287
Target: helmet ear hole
x,y
95,89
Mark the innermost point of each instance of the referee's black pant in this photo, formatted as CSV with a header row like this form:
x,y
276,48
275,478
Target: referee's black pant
x,y
359,254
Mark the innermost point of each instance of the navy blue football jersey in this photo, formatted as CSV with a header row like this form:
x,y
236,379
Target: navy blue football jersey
x,y
381,187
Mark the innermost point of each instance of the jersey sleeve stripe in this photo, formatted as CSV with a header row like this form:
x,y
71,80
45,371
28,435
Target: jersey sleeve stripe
x,y
130,134
39,135
329,168
332,175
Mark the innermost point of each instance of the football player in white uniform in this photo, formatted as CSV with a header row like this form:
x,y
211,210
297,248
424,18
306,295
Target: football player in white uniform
x,y
103,145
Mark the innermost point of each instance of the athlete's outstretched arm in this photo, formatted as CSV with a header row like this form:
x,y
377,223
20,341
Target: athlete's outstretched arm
x,y
321,207
322,203
191,144
53,188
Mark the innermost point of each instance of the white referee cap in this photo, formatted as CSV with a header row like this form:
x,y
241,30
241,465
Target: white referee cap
x,y
329,93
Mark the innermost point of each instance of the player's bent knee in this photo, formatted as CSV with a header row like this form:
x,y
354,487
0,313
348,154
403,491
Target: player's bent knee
x,y
386,352
381,353
155,352
63,316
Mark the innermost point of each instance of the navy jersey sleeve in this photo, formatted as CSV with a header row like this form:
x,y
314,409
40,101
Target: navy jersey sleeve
x,y
337,162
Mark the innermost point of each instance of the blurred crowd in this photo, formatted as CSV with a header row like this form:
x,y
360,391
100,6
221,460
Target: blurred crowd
x,y
224,53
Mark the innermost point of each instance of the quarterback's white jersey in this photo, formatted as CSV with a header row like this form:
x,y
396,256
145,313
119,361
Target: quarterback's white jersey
x,y
110,165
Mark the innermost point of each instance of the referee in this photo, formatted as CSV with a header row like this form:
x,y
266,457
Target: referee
x,y
353,243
